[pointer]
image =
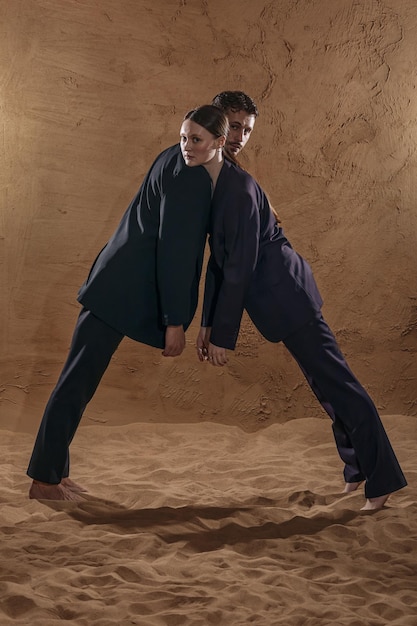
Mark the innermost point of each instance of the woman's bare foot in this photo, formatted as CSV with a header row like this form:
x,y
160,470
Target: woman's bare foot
x,y
349,487
72,486
46,491
374,504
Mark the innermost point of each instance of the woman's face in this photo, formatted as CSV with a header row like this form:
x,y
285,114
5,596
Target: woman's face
x,y
198,145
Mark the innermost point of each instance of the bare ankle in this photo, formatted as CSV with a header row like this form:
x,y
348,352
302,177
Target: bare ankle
x,y
39,482
349,487
375,504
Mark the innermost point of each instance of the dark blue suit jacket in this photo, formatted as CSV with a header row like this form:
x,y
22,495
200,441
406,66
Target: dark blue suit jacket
x,y
253,266
147,275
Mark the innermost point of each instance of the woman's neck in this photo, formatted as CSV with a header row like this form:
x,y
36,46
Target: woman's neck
x,y
213,167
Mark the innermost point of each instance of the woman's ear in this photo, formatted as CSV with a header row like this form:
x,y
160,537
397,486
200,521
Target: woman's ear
x,y
221,141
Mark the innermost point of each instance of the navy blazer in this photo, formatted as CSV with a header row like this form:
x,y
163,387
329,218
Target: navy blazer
x,y
252,266
147,275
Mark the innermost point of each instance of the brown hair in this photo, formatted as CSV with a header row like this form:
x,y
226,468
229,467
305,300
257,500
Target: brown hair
x,y
235,101
214,120
211,118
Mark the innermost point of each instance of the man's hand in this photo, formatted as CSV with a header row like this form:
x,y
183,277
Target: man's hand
x,y
174,341
207,351
216,355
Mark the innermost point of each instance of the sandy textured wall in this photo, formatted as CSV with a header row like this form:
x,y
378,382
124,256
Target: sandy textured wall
x,y
91,91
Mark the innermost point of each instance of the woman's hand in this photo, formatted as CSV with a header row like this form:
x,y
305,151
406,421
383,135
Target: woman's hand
x,y
174,341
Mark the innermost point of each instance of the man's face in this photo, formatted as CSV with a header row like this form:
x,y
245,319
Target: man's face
x,y
241,126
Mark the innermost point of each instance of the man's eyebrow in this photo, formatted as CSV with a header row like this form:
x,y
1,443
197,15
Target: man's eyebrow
x,y
237,123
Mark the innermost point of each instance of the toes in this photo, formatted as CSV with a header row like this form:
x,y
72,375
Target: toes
x,y
68,483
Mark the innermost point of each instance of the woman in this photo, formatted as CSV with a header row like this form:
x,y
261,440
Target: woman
x,y
253,266
143,284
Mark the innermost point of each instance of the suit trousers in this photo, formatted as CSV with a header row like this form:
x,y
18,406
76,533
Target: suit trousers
x,y
92,347
360,437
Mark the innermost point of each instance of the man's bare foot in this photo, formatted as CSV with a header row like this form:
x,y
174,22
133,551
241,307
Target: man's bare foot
x,y
349,487
73,486
46,491
374,504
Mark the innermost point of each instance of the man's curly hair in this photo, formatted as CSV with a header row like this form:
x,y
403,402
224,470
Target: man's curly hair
x,y
235,101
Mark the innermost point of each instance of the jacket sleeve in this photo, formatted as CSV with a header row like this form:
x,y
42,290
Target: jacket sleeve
x,y
241,225
213,281
184,212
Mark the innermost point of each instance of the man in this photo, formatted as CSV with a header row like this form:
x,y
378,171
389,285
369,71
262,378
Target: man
x,y
241,112
254,267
